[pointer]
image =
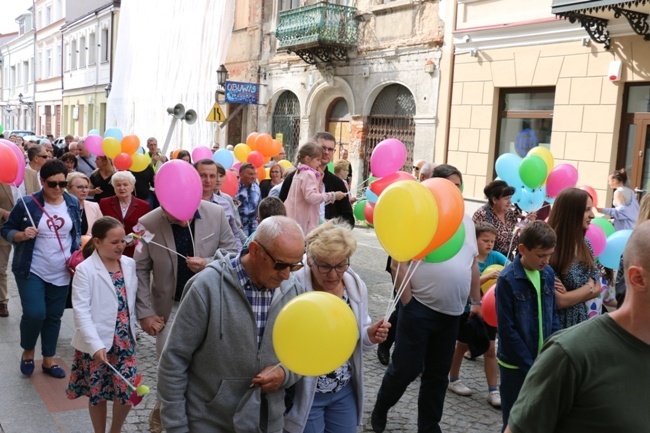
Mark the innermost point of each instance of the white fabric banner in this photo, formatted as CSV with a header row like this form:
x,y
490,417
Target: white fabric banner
x,y
168,53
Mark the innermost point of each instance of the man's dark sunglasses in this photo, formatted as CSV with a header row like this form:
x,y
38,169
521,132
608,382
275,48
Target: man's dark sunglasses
x,y
281,266
52,184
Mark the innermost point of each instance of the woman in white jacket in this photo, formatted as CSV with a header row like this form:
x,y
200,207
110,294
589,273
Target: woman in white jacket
x,y
334,402
103,298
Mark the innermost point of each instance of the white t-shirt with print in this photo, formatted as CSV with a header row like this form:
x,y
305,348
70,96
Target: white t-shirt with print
x,y
48,261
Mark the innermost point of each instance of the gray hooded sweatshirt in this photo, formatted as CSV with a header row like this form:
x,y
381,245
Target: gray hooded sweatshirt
x,y
211,356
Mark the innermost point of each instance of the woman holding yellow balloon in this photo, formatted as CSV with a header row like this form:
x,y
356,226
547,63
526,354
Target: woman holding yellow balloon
x,y
333,402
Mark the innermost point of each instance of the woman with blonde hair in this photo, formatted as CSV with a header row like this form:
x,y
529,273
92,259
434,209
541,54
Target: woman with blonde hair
x,y
100,179
333,402
79,186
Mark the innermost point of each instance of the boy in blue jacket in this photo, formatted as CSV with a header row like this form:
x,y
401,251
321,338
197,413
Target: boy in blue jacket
x,y
526,310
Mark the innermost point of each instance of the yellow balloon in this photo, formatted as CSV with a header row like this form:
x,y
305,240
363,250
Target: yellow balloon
x,y
140,162
315,333
111,147
486,285
405,219
285,164
268,173
546,156
241,152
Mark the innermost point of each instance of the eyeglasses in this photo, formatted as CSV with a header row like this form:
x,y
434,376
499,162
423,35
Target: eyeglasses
x,y
82,187
328,149
52,184
281,266
416,168
324,268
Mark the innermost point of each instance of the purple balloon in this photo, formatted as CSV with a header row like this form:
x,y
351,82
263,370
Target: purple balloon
x,y
94,144
388,157
179,189
597,237
201,152
562,176
20,157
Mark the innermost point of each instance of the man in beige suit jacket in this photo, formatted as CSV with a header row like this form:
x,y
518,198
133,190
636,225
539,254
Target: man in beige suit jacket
x,y
31,185
157,299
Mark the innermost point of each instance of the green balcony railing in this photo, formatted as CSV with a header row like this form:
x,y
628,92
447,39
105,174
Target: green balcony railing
x,y
318,24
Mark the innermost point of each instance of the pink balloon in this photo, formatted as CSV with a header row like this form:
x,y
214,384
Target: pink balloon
x,y
179,189
592,194
562,176
201,152
9,164
379,185
230,184
20,159
236,166
597,237
94,144
388,157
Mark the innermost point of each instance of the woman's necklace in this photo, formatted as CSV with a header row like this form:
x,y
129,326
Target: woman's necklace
x,y
123,206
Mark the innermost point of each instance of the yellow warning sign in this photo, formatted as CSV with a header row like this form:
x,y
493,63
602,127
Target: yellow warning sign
x,y
216,114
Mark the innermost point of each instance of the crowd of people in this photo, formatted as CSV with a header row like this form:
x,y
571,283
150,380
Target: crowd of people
x,y
210,289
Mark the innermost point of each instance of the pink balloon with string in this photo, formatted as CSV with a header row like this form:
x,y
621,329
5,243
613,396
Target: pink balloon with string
x,y
20,162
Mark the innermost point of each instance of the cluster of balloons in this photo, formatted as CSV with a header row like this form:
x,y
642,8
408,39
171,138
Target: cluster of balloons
x,y
12,163
406,213
258,150
315,333
124,150
607,244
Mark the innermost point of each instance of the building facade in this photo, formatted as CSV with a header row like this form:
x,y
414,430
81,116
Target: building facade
x,y
579,86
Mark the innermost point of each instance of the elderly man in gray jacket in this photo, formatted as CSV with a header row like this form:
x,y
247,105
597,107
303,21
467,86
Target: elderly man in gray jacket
x,y
218,365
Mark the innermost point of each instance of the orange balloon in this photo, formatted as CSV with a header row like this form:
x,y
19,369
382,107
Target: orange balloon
x,y
250,140
451,208
130,144
84,240
592,193
267,159
261,173
277,147
264,144
175,153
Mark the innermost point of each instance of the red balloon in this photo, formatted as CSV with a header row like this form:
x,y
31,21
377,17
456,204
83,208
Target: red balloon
x,y
8,164
451,208
368,211
592,193
256,158
230,184
490,306
382,183
123,161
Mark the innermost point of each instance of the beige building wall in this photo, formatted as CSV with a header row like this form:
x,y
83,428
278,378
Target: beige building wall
x,y
587,111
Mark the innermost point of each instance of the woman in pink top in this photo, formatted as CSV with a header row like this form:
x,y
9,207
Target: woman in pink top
x,y
307,193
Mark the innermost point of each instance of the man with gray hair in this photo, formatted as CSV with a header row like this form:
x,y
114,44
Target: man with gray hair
x,y
218,369
426,171
85,160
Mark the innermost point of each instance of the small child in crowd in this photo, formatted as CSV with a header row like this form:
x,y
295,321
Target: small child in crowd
x,y
268,207
306,194
103,298
486,235
595,307
526,309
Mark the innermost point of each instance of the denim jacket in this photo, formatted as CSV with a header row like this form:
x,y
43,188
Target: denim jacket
x,y
19,220
517,314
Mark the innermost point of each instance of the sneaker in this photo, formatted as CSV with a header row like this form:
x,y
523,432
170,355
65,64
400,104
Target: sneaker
x,y
494,398
458,387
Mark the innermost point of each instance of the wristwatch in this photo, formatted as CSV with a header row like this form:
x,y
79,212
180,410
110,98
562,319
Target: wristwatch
x,y
479,303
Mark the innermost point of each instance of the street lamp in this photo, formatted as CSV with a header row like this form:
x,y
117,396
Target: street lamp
x,y
107,89
222,75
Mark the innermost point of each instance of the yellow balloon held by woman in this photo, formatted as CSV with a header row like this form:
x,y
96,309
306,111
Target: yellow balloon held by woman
x,y
487,271
315,333
405,219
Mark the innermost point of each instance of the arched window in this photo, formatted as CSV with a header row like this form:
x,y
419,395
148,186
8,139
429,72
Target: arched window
x,y
286,121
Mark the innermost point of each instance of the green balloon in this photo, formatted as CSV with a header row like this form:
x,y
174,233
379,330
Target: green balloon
x,y
358,210
330,167
533,171
2,129
449,249
604,224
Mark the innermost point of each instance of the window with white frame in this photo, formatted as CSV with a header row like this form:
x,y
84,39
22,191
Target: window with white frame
x,y
92,49
31,69
289,4
48,15
57,61
105,42
25,73
82,52
39,19
48,64
57,10
39,65
18,75
67,59
13,77
73,55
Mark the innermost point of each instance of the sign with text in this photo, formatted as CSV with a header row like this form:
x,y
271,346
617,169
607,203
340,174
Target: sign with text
x,y
241,93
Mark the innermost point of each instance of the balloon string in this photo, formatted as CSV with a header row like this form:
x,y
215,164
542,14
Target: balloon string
x,y
168,249
131,387
192,238
405,283
268,372
27,210
393,294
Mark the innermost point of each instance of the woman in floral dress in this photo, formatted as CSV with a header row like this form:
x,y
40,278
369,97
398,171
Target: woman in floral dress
x,y
103,298
576,276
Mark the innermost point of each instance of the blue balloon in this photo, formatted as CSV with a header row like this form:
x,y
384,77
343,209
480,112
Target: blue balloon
x,y
93,132
224,157
611,255
507,166
114,132
550,200
371,196
141,150
532,199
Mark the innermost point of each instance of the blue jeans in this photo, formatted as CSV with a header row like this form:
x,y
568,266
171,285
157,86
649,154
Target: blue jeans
x,y
425,343
43,305
511,382
333,412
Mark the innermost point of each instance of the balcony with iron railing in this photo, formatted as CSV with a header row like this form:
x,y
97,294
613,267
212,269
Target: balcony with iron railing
x,y
321,32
